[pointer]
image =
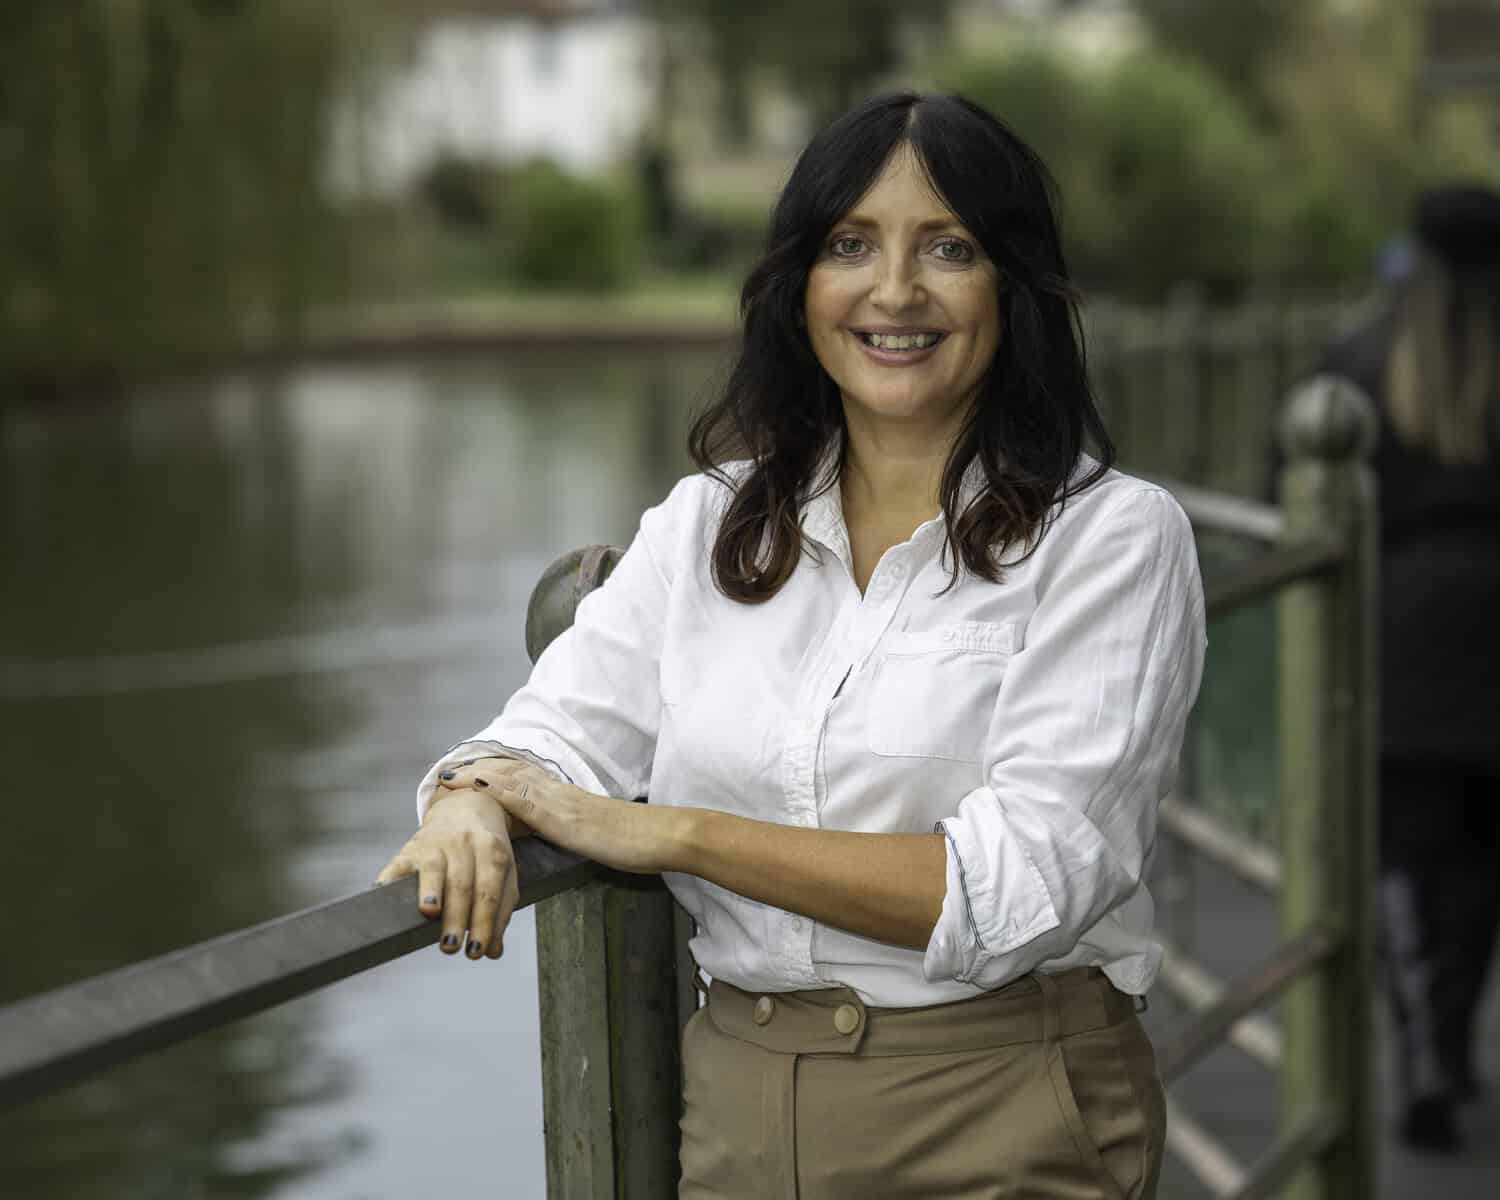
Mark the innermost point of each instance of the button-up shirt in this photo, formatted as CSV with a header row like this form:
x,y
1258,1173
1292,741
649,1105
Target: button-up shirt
x,y
1035,723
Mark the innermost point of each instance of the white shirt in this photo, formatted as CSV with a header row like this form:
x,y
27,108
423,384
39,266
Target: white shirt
x,y
1035,722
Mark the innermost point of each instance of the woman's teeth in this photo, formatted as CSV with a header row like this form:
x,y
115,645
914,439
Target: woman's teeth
x,y
900,341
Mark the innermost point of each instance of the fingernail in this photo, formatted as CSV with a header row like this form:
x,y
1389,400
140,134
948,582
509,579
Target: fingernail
x,y
429,899
447,774
481,783
450,940
475,950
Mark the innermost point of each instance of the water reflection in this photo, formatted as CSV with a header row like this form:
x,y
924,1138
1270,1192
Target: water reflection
x,y
399,514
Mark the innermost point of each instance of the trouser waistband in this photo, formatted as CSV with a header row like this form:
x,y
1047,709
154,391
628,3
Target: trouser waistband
x,y
1036,1008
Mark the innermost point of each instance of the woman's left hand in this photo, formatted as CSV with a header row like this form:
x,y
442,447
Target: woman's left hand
x,y
615,833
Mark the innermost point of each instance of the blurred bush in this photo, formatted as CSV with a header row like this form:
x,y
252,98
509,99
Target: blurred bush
x,y
554,229
163,164
1159,167
722,233
461,192
1168,172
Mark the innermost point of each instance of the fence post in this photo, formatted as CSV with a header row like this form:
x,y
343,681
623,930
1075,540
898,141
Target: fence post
x,y
609,984
1328,779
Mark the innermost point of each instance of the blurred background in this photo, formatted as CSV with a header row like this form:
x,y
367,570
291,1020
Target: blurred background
x,y
325,326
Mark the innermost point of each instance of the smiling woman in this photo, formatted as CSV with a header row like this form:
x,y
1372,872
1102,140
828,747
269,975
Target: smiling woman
x,y
904,673
902,310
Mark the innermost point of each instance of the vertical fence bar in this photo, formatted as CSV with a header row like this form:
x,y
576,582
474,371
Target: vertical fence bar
x,y
1184,330
608,980
1328,780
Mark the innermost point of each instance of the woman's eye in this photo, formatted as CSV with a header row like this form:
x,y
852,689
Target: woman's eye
x,y
846,246
953,250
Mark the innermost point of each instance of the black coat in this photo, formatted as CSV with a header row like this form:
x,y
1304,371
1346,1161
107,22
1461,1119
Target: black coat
x,y
1439,584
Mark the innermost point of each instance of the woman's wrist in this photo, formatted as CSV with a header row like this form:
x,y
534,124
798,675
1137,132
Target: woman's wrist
x,y
451,803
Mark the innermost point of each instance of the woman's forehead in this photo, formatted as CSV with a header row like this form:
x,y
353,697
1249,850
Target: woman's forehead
x,y
904,193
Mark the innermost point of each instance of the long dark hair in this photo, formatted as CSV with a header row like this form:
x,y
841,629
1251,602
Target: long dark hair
x,y
1442,386
780,409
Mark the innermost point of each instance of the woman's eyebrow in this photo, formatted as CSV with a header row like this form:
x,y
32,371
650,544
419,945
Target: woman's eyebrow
x,y
865,222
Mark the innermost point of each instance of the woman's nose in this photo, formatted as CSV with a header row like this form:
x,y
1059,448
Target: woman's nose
x,y
897,283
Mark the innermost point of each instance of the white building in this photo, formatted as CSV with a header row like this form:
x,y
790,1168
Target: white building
x,y
508,87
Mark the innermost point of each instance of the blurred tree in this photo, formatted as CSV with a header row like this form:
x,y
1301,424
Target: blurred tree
x,y
1235,39
164,164
1290,160
1355,145
1161,171
827,55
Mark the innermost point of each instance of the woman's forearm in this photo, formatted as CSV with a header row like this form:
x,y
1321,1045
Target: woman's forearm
x,y
886,886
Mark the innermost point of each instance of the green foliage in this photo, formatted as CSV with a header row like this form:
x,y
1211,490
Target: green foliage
x,y
1325,233
462,192
163,164
1159,168
1235,40
558,230
1168,173
1182,173
827,54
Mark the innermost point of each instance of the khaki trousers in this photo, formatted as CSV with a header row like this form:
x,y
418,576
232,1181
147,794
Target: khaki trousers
x,y
1045,1088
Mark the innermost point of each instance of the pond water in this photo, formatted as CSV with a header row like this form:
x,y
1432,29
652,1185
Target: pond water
x,y
237,621
236,627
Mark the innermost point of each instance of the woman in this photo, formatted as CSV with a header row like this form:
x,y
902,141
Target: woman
x,y
1431,361
904,673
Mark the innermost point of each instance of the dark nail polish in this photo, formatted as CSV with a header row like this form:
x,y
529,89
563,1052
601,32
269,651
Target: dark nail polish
x,y
475,949
450,940
429,900
481,783
447,774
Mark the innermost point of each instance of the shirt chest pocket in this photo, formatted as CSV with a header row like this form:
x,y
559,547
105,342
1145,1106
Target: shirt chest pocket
x,y
935,690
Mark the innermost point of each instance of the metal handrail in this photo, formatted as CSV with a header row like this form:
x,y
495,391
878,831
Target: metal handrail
x,y
1244,858
1268,573
1286,964
58,1037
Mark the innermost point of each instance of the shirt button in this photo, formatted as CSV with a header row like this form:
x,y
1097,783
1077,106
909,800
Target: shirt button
x,y
797,924
845,1018
764,1007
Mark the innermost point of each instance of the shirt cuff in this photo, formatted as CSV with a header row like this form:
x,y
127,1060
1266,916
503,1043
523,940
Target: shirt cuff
x,y
488,748
994,897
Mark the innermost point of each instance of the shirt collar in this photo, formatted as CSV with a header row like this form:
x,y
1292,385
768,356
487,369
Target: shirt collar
x,y
822,515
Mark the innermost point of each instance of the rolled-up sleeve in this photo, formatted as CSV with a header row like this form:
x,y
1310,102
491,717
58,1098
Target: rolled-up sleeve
x,y
590,711
1084,743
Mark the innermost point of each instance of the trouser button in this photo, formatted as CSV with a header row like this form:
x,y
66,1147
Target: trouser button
x,y
764,1007
846,1018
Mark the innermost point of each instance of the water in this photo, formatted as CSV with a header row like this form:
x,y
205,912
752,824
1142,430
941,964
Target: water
x,y
239,619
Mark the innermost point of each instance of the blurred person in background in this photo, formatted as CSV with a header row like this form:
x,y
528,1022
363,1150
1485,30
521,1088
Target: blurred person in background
x,y
904,672
1430,360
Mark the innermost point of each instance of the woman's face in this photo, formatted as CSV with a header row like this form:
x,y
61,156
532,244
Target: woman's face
x,y
901,305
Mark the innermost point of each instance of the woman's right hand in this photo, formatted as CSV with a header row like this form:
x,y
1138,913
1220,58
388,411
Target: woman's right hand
x,y
466,871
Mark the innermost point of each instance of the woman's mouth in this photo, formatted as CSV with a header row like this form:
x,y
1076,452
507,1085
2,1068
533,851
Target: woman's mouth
x,y
899,341
898,348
